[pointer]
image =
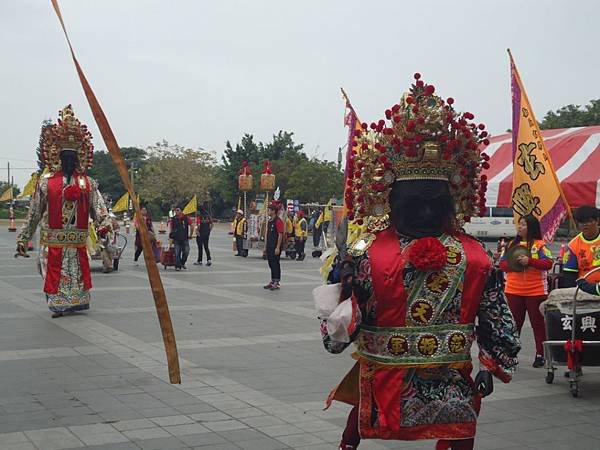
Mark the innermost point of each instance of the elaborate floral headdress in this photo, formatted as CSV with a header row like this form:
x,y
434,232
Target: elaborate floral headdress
x,y
68,134
424,138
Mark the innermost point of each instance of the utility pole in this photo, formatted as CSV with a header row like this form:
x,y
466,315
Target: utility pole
x,y
339,158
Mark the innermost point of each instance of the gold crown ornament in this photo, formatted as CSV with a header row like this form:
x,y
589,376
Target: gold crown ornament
x,y
67,134
423,138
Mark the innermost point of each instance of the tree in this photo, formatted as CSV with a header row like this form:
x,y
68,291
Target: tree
x,y
573,116
105,172
172,175
297,176
315,181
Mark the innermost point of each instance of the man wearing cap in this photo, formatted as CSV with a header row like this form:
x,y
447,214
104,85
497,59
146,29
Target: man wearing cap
x,y
240,232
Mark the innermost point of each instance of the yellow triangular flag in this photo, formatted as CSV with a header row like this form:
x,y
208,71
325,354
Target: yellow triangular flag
x,y
29,188
7,195
122,204
191,207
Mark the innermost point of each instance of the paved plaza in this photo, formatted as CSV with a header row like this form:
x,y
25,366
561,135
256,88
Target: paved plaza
x,y
254,371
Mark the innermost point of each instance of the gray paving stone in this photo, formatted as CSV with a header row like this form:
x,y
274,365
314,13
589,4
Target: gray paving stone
x,y
225,425
169,443
53,439
280,430
190,428
146,433
17,446
262,444
171,420
13,438
133,424
298,440
213,416
202,439
227,446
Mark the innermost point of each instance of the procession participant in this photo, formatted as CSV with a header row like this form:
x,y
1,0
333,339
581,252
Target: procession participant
x,y
181,233
63,202
240,232
204,225
273,245
108,251
145,218
583,252
301,233
289,234
527,285
415,283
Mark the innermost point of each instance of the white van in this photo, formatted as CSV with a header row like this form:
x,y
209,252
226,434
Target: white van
x,y
498,223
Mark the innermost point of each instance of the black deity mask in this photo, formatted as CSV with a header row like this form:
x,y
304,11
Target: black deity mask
x,y
421,208
68,162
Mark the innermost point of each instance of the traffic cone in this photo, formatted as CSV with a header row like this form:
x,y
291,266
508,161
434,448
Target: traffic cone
x,y
12,225
161,228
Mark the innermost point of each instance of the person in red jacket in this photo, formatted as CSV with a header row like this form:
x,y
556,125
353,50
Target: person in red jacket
x,y
527,288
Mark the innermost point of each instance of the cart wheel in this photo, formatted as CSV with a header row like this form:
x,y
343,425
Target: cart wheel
x,y
116,264
550,377
574,388
292,255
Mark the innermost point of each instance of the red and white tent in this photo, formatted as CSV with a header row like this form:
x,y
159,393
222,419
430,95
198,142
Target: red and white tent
x,y
575,154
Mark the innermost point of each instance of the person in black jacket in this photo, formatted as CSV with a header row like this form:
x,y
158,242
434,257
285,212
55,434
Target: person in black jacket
x,y
204,225
181,233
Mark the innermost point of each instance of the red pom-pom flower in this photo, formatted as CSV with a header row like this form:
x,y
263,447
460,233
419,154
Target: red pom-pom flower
x,y
427,254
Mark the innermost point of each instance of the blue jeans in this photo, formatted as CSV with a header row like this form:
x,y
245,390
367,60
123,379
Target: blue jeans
x,y
182,250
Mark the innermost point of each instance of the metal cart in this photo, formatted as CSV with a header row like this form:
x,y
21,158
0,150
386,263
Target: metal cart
x,y
573,333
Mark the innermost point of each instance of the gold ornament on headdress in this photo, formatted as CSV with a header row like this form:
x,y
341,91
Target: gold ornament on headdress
x,y
422,139
67,134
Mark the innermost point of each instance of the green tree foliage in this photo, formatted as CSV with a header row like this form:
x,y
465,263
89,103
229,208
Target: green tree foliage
x,y
172,175
297,176
573,116
105,172
315,181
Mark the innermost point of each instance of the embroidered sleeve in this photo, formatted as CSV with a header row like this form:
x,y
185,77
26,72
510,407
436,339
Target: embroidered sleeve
x,y
98,209
37,206
362,293
497,334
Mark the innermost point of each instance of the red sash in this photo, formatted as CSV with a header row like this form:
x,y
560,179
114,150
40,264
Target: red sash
x,y
55,214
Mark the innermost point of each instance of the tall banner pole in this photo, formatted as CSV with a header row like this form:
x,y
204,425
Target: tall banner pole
x,y
158,291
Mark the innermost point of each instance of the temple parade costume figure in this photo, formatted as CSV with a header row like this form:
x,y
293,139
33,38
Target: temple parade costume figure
x,y
63,201
413,285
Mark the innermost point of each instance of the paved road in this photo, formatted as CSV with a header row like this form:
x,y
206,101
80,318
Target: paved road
x,y
254,370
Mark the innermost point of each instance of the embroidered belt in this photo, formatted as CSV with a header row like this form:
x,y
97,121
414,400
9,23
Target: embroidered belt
x,y
63,238
434,344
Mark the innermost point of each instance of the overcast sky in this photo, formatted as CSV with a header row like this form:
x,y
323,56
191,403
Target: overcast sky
x,y
198,73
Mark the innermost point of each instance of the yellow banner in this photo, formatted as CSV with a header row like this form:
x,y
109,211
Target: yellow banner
x,y
29,188
191,207
122,204
536,189
7,195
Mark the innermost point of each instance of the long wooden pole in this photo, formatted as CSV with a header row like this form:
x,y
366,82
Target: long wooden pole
x,y
158,291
